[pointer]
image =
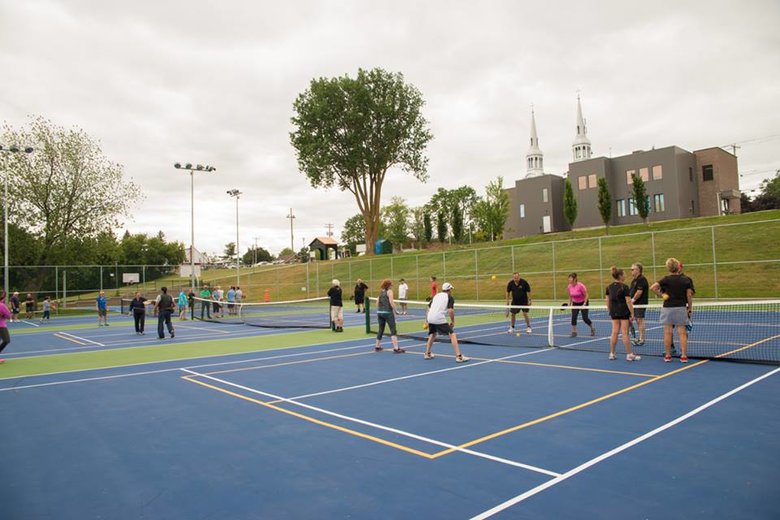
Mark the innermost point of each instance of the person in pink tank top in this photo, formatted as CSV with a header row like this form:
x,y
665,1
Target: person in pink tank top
x,y
578,301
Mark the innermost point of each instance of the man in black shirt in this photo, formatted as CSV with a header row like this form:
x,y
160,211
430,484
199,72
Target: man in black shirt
x,y
164,308
639,293
519,291
336,306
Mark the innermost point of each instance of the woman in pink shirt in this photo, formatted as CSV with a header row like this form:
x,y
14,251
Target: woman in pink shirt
x,y
5,314
578,300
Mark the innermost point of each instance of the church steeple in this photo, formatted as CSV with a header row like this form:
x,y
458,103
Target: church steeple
x,y
534,158
581,147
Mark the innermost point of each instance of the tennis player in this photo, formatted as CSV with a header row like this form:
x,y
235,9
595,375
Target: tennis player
x,y
336,306
360,295
403,291
101,305
519,291
385,314
15,306
164,307
578,301
621,310
137,308
183,304
443,307
676,290
5,314
639,292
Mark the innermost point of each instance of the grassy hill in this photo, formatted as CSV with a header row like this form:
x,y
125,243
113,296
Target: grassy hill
x,y
729,257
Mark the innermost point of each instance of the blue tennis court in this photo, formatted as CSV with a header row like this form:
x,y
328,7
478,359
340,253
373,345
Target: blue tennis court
x,y
336,430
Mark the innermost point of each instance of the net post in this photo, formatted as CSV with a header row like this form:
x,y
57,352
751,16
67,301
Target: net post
x,y
367,312
550,332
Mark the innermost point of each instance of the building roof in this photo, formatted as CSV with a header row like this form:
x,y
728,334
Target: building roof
x,y
328,241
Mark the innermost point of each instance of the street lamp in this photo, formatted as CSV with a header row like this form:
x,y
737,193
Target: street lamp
x,y
237,194
292,244
192,169
9,150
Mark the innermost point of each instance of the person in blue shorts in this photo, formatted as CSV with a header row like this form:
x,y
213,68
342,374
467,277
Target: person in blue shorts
x,y
101,305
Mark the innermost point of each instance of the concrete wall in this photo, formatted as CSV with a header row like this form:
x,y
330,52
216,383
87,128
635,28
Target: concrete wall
x,y
529,193
724,184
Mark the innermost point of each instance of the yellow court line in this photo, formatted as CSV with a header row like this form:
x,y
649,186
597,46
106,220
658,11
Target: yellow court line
x,y
58,335
747,347
563,412
594,401
313,420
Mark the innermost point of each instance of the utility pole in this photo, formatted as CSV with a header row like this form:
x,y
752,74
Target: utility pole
x,y
292,243
255,253
330,229
734,147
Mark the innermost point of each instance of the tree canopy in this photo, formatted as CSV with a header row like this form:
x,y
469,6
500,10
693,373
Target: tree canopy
x,y
604,202
490,213
641,200
349,132
569,203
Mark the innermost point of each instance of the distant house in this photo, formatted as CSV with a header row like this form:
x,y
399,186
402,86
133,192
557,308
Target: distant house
x,y
325,248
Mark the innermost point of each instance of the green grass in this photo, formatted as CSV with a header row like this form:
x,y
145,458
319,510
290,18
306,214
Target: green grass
x,y
168,351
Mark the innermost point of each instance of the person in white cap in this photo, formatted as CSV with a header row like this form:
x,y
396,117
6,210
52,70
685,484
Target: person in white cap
x,y
441,320
336,306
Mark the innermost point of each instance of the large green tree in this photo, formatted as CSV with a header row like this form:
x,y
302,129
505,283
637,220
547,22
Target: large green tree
x,y
350,132
604,202
65,190
569,203
491,211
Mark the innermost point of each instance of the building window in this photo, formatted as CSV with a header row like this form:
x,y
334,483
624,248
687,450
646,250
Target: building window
x,y
644,173
592,180
621,207
707,172
629,175
545,197
522,210
632,207
658,172
658,202
582,182
690,174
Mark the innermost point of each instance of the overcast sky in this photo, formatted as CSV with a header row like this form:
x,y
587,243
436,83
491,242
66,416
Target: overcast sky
x,y
213,82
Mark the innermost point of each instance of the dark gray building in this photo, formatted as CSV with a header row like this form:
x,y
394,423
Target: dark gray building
x,y
679,184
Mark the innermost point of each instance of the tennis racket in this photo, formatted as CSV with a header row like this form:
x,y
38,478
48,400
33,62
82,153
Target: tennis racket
x,y
632,332
563,307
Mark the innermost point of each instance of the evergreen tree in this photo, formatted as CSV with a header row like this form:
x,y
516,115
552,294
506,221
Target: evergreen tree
x,y
641,201
569,203
604,202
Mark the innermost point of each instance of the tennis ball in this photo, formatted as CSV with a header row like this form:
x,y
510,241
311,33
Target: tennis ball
x,y
493,277
664,296
517,334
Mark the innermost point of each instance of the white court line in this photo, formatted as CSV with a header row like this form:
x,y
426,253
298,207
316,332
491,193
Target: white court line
x,y
615,451
378,426
412,376
30,323
79,338
164,370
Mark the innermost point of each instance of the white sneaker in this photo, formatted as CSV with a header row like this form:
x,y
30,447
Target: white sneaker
x,y
528,330
612,356
461,359
511,330
633,357
428,355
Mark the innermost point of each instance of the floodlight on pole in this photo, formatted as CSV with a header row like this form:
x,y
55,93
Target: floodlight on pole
x,y
11,149
292,243
188,167
237,194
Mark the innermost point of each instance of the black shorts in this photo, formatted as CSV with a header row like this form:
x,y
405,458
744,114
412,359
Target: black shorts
x,y
621,317
439,328
515,310
639,313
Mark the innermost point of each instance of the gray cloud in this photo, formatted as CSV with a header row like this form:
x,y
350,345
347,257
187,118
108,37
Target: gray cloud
x,y
160,82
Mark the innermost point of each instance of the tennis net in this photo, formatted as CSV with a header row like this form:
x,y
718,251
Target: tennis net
x,y
311,313
735,331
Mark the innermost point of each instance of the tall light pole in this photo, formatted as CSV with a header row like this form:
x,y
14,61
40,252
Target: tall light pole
x,y
192,169
292,243
237,194
9,150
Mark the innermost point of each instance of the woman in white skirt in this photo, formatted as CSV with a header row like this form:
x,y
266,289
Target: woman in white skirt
x,y
676,290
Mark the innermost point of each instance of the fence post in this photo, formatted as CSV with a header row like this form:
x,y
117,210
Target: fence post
x,y
443,266
652,242
417,276
714,261
601,267
555,295
513,258
101,277
476,273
